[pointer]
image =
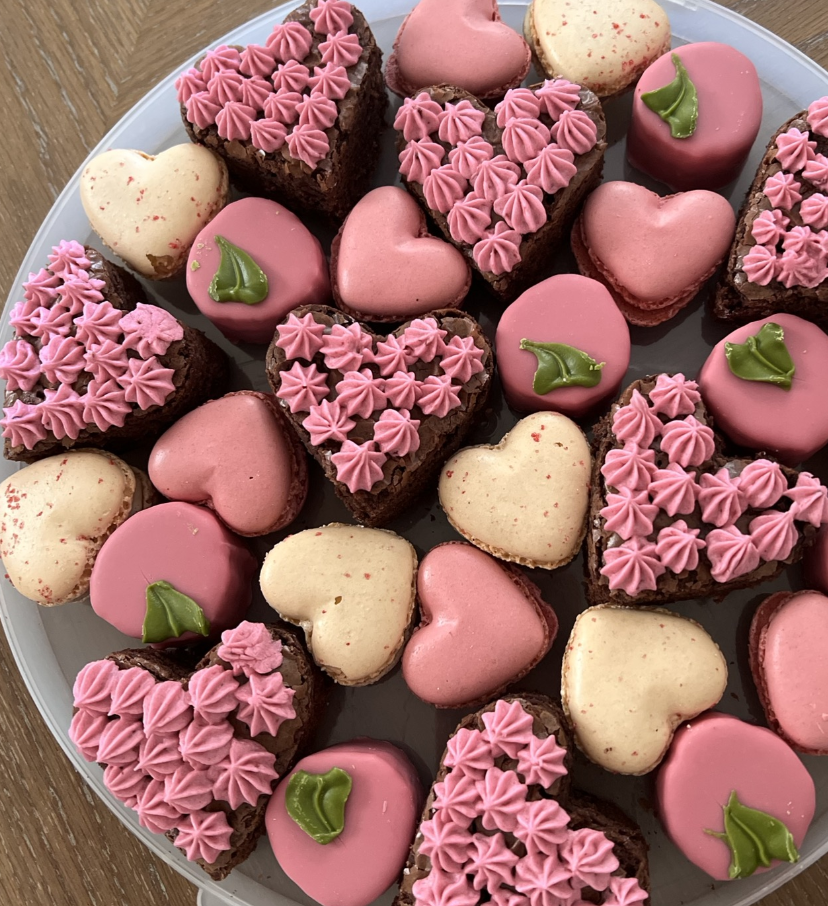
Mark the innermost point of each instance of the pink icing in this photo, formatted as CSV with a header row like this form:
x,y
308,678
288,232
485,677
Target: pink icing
x,y
120,740
41,288
818,117
245,774
396,433
442,889
22,317
762,483
62,412
502,797
444,187
159,755
438,396
625,892
632,566
345,348
188,789
202,110
816,171
424,339
19,365
330,81
233,121
761,265
225,87
794,149
542,826
300,338
78,289
129,690
289,41
402,389
782,190
150,330
544,880
308,145
283,106
522,208
469,752
629,467
341,50
359,466
552,169
459,122
212,693
302,386
291,76
575,131
721,498
92,689
731,553
68,258
267,135
265,703
317,112
810,500
499,251
167,709
51,322
769,227
636,423
105,405
673,395
22,425
418,117
205,744
204,835
392,356
678,547
154,812
222,57
458,798
469,219
629,513
105,362
86,730
542,761
589,856
800,239
126,784
445,844
467,157
256,61
674,490
508,728
98,323
558,96
800,269
687,442
461,359
254,92
774,535
419,158
524,138
331,16
490,862
518,102
328,422
495,177
250,649
147,382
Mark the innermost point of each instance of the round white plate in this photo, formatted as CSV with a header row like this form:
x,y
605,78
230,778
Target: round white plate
x,y
51,645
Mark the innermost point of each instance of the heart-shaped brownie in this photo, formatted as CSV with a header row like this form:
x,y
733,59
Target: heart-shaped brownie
x,y
503,185
91,365
779,259
502,822
196,753
380,415
674,516
298,118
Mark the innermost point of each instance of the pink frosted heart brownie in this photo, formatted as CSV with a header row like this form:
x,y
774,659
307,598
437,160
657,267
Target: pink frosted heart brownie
x,y
252,265
696,113
483,627
341,823
457,42
91,365
654,254
562,345
299,117
171,575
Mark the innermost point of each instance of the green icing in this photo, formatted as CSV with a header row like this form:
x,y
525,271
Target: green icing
x,y
763,357
170,614
238,278
316,802
677,103
560,365
755,839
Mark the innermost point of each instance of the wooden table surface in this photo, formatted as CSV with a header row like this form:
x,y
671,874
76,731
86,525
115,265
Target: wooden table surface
x,y
71,69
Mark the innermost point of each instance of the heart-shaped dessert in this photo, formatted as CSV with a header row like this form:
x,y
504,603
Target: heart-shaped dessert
x,y
380,414
733,797
630,677
675,517
652,253
196,752
525,499
502,823
149,210
55,515
352,590
503,185
238,456
92,365
361,796
779,258
457,42
385,266
484,626
298,118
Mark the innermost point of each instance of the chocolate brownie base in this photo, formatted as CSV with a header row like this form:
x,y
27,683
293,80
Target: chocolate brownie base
x,y
561,207
736,299
698,583
404,479
344,176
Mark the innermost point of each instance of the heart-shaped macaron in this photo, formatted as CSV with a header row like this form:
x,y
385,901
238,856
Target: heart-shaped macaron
x,y
630,677
652,253
503,185
457,42
149,210
484,626
386,267
673,517
380,415
352,590
238,456
525,499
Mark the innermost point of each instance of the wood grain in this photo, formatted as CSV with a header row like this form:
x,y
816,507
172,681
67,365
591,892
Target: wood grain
x,y
72,68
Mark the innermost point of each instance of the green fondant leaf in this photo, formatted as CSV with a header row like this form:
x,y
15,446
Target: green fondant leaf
x,y
755,839
316,802
238,278
763,357
560,365
677,103
170,614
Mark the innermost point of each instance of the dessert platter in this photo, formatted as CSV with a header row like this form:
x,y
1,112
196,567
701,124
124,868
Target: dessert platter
x,y
414,478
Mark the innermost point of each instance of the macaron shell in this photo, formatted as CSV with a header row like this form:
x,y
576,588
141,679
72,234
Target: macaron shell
x,y
380,819
566,309
184,545
709,759
281,245
730,114
792,424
